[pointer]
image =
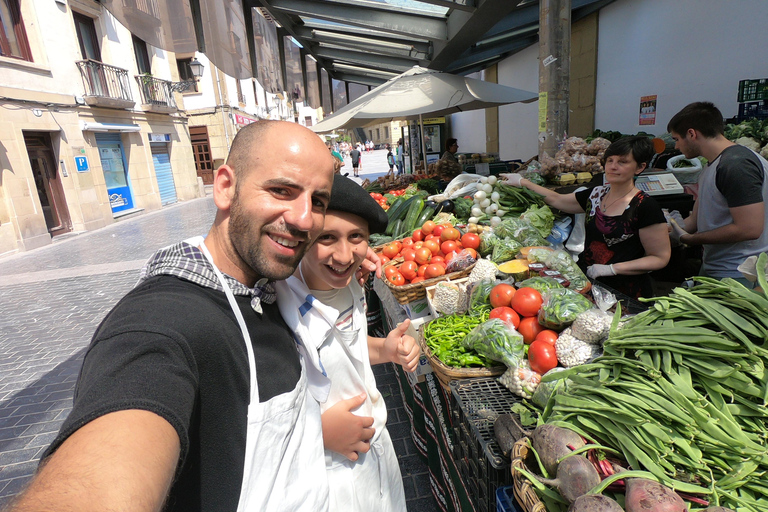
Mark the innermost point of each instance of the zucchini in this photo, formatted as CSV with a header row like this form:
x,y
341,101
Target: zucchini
x,y
394,207
396,227
427,214
409,224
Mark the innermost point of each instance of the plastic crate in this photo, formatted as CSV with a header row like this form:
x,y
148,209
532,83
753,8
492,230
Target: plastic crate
x,y
474,405
755,109
505,500
751,90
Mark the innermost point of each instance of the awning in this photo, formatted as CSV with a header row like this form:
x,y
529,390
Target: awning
x,y
88,126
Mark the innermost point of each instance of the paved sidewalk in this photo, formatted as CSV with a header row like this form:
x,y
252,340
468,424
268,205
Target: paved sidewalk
x,y
53,298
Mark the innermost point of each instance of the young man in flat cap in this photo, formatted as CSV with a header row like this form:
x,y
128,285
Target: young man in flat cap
x,y
325,306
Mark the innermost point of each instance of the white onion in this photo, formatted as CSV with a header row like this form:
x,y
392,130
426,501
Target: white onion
x,y
476,211
485,203
484,180
473,220
492,180
489,211
501,213
487,188
495,196
480,195
494,207
495,221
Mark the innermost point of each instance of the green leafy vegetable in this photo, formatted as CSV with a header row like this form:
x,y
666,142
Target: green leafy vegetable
x,y
496,340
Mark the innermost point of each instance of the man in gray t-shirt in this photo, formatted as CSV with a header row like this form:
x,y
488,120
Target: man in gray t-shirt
x,y
729,216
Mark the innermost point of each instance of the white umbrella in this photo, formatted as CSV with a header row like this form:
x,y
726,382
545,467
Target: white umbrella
x,y
422,92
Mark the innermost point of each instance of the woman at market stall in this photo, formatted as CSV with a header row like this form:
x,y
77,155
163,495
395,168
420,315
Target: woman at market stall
x,y
451,147
325,306
626,232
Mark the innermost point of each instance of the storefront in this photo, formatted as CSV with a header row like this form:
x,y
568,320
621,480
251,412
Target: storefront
x,y
115,169
161,159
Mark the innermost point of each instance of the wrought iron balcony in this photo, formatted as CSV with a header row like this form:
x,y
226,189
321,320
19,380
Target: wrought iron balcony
x,y
157,94
105,85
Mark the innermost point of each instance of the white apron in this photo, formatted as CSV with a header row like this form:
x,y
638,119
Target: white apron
x,y
284,467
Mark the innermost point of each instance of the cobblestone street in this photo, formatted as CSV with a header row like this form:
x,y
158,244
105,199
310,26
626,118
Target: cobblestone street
x,y
53,298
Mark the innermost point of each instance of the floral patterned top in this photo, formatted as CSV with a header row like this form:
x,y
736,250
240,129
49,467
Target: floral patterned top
x,y
613,239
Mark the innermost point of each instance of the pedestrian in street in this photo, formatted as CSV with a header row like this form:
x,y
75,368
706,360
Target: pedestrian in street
x,y
177,403
729,216
325,306
356,160
390,160
399,157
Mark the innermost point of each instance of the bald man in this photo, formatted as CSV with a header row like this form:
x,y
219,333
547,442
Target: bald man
x,y
193,395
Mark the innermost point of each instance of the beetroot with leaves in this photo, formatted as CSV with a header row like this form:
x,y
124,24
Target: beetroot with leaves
x,y
644,495
594,503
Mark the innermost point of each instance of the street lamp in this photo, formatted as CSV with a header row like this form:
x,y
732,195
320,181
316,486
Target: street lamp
x,y
196,67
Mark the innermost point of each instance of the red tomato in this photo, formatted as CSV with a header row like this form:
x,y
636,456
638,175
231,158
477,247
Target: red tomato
x,y
418,235
430,237
547,335
450,233
433,247
398,244
502,295
470,241
417,279
448,246
506,314
542,356
530,328
421,272
526,301
423,256
391,250
409,254
437,259
377,196
450,256
383,259
437,230
417,245
388,271
397,279
434,271
471,252
407,241
409,269
427,227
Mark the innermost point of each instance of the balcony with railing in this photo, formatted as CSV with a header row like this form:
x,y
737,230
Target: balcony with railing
x,y
157,94
105,85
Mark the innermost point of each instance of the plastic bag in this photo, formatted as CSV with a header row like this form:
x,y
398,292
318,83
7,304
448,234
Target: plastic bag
x,y
480,293
561,307
563,262
505,249
538,255
546,389
604,299
540,284
592,326
521,380
460,261
572,351
488,241
496,340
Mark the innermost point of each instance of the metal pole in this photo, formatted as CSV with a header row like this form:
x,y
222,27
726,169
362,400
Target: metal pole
x,y
554,73
423,145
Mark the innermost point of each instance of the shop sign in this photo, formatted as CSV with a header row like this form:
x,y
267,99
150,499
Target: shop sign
x,y
159,137
244,120
81,163
434,120
117,200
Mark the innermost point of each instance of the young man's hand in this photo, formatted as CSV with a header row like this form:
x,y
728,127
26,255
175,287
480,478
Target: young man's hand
x,y
345,432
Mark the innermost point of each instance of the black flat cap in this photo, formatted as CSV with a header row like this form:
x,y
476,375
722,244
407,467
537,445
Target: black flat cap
x,y
347,196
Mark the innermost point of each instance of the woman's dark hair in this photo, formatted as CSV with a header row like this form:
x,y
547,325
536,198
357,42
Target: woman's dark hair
x,y
702,116
640,146
449,143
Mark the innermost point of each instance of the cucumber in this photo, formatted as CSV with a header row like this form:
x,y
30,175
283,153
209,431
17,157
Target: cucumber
x,y
396,227
400,212
394,207
409,224
427,214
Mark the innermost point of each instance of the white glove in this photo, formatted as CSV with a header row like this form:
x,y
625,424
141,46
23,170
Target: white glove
x,y
595,271
512,178
675,233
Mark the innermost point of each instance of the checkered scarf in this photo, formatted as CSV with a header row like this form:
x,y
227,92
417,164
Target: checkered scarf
x,y
187,262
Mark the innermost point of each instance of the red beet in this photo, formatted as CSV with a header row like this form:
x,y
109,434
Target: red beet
x,y
576,476
551,443
644,495
594,503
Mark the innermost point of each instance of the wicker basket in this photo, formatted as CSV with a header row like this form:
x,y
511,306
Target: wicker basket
x,y
415,291
445,374
526,496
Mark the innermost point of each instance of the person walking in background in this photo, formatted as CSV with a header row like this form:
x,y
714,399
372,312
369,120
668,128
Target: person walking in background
x,y
324,305
399,157
390,160
729,216
356,159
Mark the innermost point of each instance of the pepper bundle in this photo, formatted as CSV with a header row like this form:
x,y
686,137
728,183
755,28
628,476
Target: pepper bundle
x,y
444,335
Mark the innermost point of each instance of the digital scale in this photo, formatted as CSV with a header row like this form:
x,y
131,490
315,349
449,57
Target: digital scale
x,y
659,184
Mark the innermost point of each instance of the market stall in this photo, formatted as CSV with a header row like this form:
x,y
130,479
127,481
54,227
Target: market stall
x,y
510,327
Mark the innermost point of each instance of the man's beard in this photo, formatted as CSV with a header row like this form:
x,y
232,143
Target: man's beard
x,y
246,242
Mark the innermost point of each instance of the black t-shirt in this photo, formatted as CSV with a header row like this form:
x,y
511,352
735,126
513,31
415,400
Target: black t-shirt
x,y
615,239
739,176
355,156
175,348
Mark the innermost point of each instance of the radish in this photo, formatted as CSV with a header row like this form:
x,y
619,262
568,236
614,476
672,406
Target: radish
x,y
576,476
594,503
553,443
645,495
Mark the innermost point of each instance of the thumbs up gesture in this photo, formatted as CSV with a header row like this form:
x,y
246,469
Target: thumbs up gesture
x,y
402,347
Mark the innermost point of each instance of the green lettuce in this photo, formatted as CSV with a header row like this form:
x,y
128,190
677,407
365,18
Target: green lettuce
x,y
541,218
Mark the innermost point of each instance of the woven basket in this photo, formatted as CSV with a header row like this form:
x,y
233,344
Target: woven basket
x,y
415,291
526,496
445,374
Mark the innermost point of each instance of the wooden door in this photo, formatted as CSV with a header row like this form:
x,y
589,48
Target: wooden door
x,y
201,147
48,183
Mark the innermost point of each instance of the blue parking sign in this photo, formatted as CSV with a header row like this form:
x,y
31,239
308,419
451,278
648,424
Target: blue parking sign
x,y
81,162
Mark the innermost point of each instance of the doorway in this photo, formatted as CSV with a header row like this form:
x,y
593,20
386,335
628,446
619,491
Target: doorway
x,y
115,171
48,183
201,148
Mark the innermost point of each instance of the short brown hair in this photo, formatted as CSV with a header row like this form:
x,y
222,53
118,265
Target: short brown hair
x,y
702,116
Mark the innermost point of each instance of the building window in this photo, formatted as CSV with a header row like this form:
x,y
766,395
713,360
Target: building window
x,y
86,36
370,134
185,73
240,95
142,56
378,134
13,37
307,120
386,132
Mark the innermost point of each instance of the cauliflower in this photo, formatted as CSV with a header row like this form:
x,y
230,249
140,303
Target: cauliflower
x,y
572,351
748,142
